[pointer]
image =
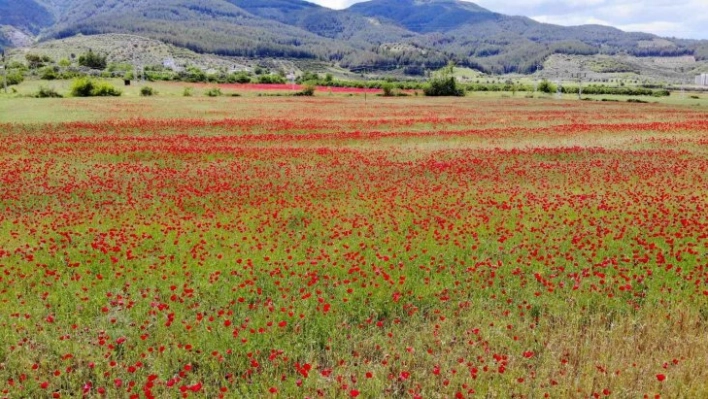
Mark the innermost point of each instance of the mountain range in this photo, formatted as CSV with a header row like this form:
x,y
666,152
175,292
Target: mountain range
x,y
377,34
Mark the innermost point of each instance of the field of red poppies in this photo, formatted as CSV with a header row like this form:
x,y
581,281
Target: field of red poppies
x,y
332,248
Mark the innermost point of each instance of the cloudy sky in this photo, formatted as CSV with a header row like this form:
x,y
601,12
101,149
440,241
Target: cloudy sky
x,y
680,18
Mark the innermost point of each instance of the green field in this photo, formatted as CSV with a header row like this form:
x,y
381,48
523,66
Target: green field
x,y
336,246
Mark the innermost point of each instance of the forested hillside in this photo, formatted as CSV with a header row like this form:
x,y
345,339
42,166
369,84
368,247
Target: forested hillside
x,y
378,34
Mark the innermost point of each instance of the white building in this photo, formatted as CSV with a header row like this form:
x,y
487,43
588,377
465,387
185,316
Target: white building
x,y
702,79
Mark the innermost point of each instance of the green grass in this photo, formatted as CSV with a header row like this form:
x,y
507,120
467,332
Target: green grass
x,y
398,246
170,103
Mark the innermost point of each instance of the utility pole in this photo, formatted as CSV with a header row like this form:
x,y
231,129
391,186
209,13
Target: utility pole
x,y
4,72
366,83
291,79
579,78
135,65
535,80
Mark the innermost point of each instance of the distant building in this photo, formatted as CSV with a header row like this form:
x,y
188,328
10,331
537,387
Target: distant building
x,y
169,63
702,79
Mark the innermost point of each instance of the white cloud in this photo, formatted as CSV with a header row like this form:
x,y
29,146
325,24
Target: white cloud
x,y
681,18
336,4
569,20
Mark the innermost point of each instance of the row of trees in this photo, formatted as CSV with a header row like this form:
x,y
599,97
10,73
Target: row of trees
x,y
46,68
89,60
441,83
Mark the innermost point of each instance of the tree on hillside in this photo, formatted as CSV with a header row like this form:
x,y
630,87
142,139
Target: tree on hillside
x,y
93,60
35,61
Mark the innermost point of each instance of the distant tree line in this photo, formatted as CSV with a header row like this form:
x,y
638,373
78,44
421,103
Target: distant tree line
x,y
441,82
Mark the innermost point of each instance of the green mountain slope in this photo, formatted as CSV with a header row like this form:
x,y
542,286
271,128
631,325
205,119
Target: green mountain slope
x,y
377,34
335,24
208,26
501,43
28,15
424,16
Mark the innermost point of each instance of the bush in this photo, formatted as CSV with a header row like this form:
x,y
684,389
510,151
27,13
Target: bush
x,y
192,75
35,61
188,92
147,91
271,79
86,87
93,60
46,92
546,87
105,89
15,78
308,90
308,77
444,84
387,89
68,75
49,73
82,87
240,77
213,92
217,78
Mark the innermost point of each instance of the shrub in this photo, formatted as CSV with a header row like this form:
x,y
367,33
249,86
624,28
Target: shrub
x,y
188,92
213,92
546,87
105,89
240,77
271,79
86,87
147,91
93,60
387,88
217,78
193,75
444,84
308,90
35,61
49,73
68,75
82,87
47,92
307,77
15,77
